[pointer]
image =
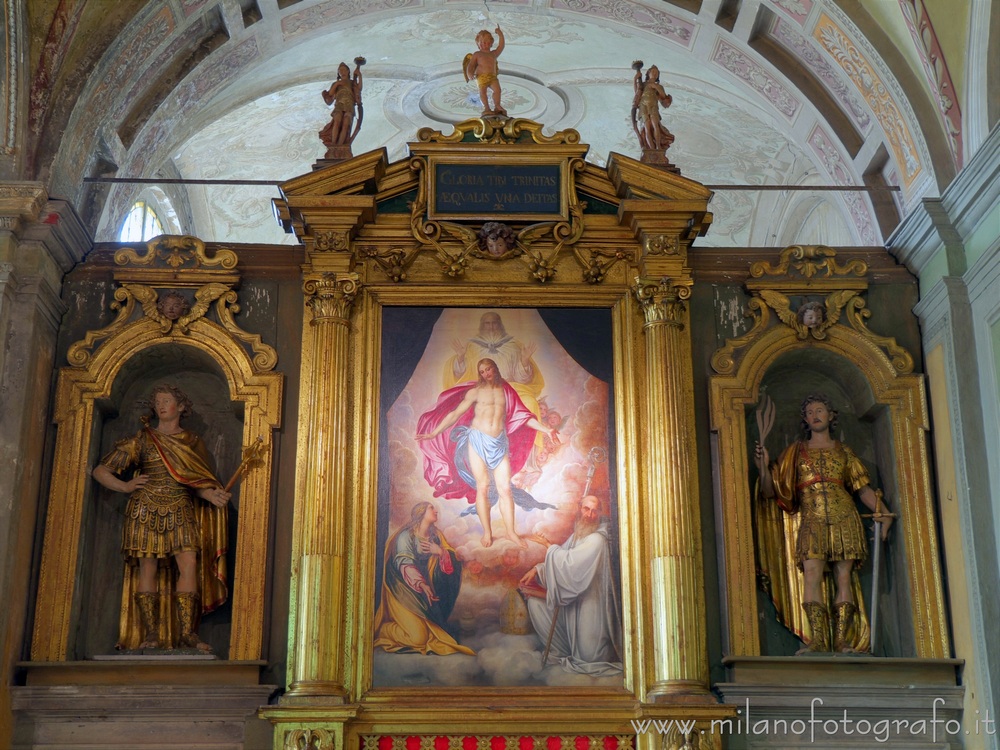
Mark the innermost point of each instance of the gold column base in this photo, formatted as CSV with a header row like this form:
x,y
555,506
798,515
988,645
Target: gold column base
x,y
680,691
318,657
314,693
679,638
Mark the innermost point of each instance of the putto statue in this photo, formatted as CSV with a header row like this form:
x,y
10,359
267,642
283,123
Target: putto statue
x,y
345,96
482,65
654,138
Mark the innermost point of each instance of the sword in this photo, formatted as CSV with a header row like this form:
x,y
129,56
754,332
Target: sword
x,y
876,566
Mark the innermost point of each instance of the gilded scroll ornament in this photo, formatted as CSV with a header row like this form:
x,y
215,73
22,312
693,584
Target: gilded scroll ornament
x,y
310,739
173,312
331,296
332,242
663,301
808,261
176,251
809,271
489,130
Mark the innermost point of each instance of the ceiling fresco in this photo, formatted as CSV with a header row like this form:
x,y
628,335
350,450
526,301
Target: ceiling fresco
x,y
766,92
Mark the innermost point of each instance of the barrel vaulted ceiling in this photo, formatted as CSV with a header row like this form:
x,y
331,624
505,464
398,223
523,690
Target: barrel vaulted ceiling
x,y
885,93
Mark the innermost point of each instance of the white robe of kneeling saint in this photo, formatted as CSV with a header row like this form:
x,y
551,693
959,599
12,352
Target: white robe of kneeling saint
x,y
577,577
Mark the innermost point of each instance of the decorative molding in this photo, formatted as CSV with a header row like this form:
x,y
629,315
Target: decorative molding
x,y
872,86
973,195
936,69
9,69
663,300
754,75
331,297
803,48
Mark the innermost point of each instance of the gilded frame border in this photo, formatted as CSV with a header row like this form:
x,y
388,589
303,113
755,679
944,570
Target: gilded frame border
x,y
77,391
903,395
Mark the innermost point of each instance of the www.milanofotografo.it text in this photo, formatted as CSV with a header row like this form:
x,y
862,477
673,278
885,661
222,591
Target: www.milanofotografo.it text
x,y
816,727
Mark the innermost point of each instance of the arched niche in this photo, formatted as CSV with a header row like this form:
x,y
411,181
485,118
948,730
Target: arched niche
x,y
886,413
95,404
865,425
216,418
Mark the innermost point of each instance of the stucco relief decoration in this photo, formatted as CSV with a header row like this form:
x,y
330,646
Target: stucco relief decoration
x,y
876,93
932,57
801,47
634,14
796,9
336,10
754,75
825,148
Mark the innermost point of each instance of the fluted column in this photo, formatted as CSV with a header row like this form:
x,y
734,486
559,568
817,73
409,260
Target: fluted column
x,y
680,656
320,530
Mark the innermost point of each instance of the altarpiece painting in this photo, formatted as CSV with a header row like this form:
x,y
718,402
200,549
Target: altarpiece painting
x,y
453,608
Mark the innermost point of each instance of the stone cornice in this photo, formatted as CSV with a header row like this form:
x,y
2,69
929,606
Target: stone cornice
x,y
974,192
61,232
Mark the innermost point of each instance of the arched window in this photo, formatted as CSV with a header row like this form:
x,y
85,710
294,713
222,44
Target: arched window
x,y
141,224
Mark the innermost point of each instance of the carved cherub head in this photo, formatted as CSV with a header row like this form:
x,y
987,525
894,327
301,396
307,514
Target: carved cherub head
x,y
496,239
811,314
173,305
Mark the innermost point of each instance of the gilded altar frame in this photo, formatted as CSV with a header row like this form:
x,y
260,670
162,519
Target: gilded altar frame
x,y
371,242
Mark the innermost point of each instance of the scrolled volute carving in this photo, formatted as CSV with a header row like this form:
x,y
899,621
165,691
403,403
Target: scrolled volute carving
x,y
176,251
332,242
499,130
174,319
808,261
310,739
663,300
331,296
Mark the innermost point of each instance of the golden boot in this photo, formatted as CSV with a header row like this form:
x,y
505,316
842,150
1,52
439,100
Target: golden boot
x,y
819,623
843,620
188,613
148,606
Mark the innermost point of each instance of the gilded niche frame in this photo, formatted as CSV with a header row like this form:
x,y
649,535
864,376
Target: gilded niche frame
x,y
885,368
95,364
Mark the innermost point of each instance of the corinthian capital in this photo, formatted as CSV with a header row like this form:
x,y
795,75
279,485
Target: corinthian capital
x,y
330,296
662,300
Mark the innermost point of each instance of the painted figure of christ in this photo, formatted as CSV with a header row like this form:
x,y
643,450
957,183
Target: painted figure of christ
x,y
491,437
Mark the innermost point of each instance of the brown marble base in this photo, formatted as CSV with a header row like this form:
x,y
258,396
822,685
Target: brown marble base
x,y
844,702
148,702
